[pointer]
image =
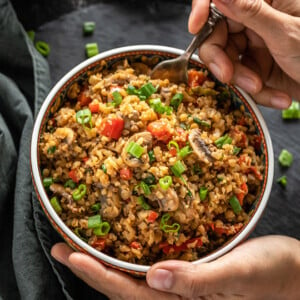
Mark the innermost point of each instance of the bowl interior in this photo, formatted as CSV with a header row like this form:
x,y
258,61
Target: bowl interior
x,y
150,55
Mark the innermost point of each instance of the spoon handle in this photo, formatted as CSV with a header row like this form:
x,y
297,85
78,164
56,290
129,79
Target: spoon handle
x,y
215,16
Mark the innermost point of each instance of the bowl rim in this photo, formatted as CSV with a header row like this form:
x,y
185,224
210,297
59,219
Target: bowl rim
x,y
69,235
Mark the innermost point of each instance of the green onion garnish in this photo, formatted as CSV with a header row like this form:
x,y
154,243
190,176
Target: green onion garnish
x,y
117,98
235,204
43,48
165,182
223,140
201,122
135,149
285,158
94,221
203,193
141,201
55,204
168,228
173,144
158,107
147,90
102,229
31,34
95,207
103,167
183,152
91,49
70,183
151,156
282,180
84,116
79,192
51,149
88,28
176,100
293,112
150,179
178,168
236,150
47,181
145,188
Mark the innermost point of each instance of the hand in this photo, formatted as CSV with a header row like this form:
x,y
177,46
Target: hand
x,y
261,268
258,50
112,283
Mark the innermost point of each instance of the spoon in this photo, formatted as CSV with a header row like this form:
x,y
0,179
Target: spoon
x,y
176,69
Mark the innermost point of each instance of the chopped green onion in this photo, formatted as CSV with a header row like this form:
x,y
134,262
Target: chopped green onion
x,y
178,168
47,181
293,112
235,204
223,140
79,192
117,98
145,188
84,116
43,48
285,158
55,204
168,228
94,221
103,167
158,107
51,149
70,183
31,34
282,180
201,122
236,150
141,201
95,207
151,156
88,28
79,233
91,49
165,182
189,193
173,144
185,151
147,90
176,100
203,193
102,229
150,179
135,149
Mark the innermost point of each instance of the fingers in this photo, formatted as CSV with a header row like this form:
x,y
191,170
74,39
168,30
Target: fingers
x,y
113,283
198,15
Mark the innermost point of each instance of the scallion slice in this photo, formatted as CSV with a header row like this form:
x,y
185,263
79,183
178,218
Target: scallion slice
x,y
55,204
135,149
151,156
47,181
173,144
293,112
91,49
285,158
141,201
43,48
223,140
201,122
95,207
94,221
183,152
235,204
236,150
145,188
178,168
176,100
147,90
88,27
282,180
165,182
117,98
102,229
70,183
84,116
203,193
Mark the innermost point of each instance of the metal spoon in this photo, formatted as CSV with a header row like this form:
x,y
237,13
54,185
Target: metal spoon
x,y
176,69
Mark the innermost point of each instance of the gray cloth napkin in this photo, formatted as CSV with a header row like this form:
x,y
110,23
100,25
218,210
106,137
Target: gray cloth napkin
x,y
27,270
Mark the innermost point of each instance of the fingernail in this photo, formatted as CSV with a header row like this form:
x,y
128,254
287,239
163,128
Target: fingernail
x,y
280,102
161,279
216,71
247,84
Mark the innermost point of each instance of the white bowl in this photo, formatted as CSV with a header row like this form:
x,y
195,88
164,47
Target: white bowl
x,y
51,102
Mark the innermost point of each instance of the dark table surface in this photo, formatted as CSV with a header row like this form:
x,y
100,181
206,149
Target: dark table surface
x,y
165,23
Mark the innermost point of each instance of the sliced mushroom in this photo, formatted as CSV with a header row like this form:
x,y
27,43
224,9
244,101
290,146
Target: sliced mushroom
x,y
66,135
60,190
144,139
199,146
167,200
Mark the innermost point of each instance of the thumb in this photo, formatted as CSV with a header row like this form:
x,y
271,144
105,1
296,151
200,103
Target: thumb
x,y
190,280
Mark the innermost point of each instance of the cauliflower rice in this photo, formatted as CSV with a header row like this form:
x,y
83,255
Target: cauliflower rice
x,y
146,170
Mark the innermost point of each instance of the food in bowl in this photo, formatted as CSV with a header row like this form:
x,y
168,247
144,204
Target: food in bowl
x,y
146,170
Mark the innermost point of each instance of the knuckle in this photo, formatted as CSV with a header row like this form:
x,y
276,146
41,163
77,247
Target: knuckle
x,y
251,8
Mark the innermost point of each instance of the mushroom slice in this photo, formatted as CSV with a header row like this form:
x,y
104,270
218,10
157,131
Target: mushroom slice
x,y
199,146
60,190
144,139
167,200
65,134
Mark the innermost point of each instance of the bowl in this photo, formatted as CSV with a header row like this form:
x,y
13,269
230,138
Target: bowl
x,y
153,53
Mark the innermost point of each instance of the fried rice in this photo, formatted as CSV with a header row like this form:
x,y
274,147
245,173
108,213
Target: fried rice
x,y
146,170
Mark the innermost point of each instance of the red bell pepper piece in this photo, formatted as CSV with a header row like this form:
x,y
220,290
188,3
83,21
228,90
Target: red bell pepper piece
x,y
126,173
153,215
160,130
99,244
188,244
84,99
94,107
112,128
73,175
195,78
135,245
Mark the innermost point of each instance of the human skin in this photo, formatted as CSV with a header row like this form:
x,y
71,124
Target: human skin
x,y
259,49
261,268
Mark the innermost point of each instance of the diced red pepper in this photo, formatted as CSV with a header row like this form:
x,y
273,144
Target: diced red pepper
x,y
196,78
153,215
94,107
173,151
160,130
85,159
83,99
73,175
99,244
173,248
112,128
227,230
242,194
135,245
126,173
256,172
